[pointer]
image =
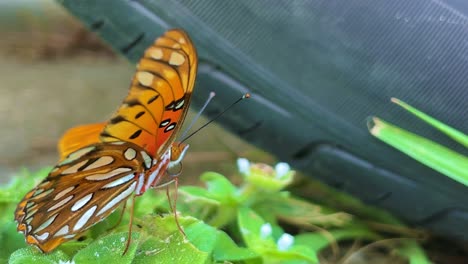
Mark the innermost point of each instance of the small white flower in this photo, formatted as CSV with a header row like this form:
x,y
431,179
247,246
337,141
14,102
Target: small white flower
x,y
243,165
265,230
282,169
285,242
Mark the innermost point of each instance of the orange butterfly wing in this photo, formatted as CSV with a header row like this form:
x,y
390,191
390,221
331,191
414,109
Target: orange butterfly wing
x,y
160,93
96,173
79,137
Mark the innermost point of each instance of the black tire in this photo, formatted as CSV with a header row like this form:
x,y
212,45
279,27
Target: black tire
x,y
317,70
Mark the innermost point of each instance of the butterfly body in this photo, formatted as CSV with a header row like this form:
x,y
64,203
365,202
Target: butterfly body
x,y
102,165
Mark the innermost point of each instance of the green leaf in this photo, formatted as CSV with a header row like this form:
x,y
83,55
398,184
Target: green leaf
x,y
318,241
449,131
33,255
201,235
199,194
294,253
109,249
436,156
162,241
226,250
219,187
300,212
10,239
250,226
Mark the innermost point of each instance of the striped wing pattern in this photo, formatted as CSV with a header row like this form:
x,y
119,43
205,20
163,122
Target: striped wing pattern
x,y
103,164
80,191
158,101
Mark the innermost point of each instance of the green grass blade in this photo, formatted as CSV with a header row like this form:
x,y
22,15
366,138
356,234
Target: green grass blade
x,y
438,157
414,253
449,131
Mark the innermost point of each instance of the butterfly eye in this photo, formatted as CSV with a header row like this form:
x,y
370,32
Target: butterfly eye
x,y
178,151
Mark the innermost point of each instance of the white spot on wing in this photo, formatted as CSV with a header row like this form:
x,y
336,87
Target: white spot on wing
x,y
105,176
41,195
130,154
145,78
176,59
43,236
81,202
123,195
170,127
119,181
84,218
141,181
74,168
76,155
156,54
164,123
179,105
102,161
148,160
31,213
62,193
118,143
61,203
46,224
38,191
164,160
63,231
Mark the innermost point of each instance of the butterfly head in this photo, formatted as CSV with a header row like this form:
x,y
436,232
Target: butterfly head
x,y
178,151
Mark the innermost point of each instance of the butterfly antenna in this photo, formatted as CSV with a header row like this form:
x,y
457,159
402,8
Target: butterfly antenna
x,y
212,94
245,96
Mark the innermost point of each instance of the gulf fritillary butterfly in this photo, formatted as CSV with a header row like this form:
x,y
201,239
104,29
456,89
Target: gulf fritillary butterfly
x,y
104,164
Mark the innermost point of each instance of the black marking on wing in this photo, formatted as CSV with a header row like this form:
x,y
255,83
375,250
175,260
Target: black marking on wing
x,y
117,119
170,127
139,114
89,162
136,134
134,102
165,122
152,99
107,135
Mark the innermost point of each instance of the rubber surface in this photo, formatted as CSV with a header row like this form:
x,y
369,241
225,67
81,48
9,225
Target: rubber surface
x,y
317,70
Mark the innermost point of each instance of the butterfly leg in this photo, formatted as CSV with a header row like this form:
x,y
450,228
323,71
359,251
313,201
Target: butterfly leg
x,y
130,226
120,217
174,207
